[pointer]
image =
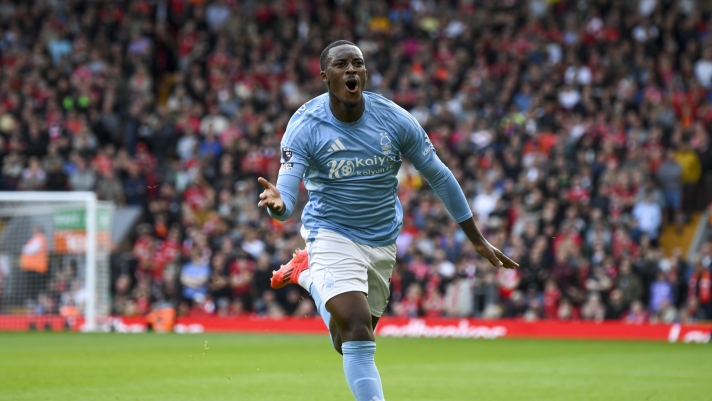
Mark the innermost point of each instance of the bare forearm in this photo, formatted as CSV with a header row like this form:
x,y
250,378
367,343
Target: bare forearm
x,y
472,231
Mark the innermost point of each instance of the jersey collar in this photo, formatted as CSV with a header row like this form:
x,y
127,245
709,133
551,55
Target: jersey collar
x,y
357,123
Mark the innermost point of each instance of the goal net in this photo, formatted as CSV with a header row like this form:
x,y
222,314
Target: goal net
x,y
54,260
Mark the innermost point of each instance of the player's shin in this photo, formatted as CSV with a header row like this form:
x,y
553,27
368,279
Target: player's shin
x,y
361,372
306,282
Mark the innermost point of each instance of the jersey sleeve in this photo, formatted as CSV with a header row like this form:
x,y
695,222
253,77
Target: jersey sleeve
x,y
448,189
294,158
416,145
421,152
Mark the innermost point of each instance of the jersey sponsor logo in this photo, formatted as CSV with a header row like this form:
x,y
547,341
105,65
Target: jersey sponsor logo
x,y
374,171
373,161
340,168
345,168
336,146
286,154
429,146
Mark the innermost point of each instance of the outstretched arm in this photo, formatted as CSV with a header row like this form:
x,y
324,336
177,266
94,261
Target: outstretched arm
x,y
445,185
418,148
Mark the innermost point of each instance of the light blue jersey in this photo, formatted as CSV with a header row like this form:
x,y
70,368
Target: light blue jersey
x,y
349,169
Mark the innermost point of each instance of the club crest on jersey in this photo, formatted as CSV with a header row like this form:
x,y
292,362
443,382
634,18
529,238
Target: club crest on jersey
x,y
286,154
385,143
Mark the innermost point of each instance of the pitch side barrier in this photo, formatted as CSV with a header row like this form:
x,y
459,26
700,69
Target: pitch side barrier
x,y
389,327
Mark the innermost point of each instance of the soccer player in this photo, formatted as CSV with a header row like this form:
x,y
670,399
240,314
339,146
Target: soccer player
x,y
346,145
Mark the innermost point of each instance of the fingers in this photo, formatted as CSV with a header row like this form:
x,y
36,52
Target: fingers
x,y
265,183
506,262
496,257
495,261
487,252
267,202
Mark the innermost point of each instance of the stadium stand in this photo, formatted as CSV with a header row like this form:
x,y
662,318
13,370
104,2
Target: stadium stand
x,y
578,130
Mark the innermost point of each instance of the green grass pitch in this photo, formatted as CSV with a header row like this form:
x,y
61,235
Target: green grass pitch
x,y
152,367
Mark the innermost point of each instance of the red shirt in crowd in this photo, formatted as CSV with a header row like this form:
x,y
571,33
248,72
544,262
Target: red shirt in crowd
x,y
241,271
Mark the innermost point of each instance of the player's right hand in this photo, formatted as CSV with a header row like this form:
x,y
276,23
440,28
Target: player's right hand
x,y
270,197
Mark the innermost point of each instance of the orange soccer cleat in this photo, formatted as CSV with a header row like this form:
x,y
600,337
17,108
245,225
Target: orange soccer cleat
x,y
289,273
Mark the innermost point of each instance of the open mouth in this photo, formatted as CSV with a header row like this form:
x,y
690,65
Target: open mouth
x,y
352,85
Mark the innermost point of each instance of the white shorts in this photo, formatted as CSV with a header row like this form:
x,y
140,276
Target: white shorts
x,y
338,265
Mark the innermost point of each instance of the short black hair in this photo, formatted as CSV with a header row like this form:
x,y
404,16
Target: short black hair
x,y
325,53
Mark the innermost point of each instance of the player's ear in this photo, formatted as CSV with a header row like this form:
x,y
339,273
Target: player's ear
x,y
324,77
366,75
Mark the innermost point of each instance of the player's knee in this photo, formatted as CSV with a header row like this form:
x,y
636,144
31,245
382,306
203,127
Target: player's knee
x,y
357,331
337,343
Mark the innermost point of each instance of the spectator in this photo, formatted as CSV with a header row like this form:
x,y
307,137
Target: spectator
x,y
660,293
598,282
110,189
194,277
628,283
268,306
691,170
33,177
593,309
484,203
487,296
649,216
637,313
616,305
34,262
459,297
82,177
241,273
703,69
210,147
700,289
670,176
134,186
665,314
411,304
692,312
57,180
566,311
219,283
216,14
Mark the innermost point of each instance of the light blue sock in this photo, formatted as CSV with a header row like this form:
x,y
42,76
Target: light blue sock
x,y
307,283
361,372
320,307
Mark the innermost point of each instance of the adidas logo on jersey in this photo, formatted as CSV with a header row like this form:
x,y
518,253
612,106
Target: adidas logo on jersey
x,y
336,146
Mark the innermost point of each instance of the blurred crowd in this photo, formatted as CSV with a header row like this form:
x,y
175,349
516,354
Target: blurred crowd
x,y
577,130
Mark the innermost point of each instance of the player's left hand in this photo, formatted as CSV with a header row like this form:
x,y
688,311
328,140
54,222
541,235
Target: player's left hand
x,y
494,255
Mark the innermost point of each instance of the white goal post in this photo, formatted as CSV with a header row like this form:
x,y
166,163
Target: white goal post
x,y
54,260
